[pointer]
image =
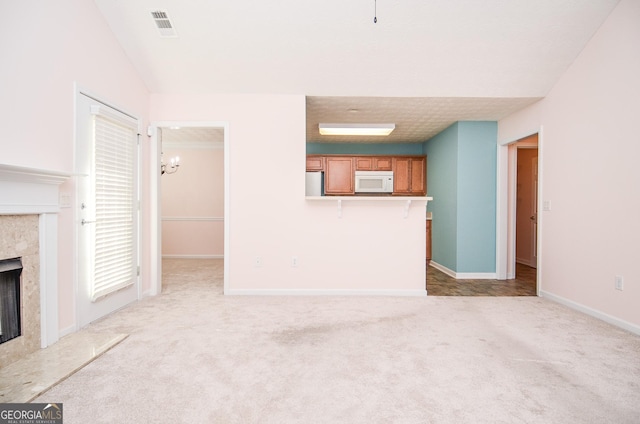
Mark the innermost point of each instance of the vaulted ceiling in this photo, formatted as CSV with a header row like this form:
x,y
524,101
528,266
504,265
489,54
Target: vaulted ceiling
x,y
423,65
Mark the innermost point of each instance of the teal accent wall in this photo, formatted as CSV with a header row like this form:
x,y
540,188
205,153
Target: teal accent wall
x,y
461,177
364,149
477,167
442,177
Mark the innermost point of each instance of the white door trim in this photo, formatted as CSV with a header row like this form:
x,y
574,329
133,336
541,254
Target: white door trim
x,y
505,208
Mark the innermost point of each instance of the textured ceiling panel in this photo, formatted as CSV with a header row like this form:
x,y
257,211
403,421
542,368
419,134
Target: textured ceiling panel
x,y
192,135
416,119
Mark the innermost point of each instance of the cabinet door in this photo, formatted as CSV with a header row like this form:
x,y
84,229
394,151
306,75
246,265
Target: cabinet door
x,y
428,241
401,175
382,164
364,163
315,163
409,175
418,177
339,175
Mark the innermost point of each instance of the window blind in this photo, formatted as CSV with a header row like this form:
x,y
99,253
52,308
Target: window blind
x,y
113,187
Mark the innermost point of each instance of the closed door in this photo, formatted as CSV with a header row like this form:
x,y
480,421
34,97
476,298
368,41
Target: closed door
x,y
107,209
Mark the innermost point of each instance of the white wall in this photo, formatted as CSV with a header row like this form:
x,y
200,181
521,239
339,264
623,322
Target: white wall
x,y
46,47
372,247
193,203
590,173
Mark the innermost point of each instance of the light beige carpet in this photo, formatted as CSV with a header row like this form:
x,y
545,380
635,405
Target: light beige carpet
x,y
195,356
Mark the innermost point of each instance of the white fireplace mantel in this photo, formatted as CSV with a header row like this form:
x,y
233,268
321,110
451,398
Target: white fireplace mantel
x,y
29,191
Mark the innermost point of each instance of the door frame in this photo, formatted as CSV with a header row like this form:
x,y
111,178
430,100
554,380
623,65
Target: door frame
x,y
506,209
155,250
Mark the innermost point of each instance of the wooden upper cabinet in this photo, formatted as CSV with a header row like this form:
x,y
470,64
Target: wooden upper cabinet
x,y
339,175
315,163
418,176
382,163
364,163
373,163
409,175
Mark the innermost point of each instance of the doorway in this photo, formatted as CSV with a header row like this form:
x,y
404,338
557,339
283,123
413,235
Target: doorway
x,y
518,242
191,197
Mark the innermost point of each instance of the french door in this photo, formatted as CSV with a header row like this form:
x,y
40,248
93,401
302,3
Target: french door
x,y
107,209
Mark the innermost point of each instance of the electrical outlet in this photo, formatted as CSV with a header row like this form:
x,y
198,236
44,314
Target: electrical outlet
x,y
294,262
258,262
546,205
619,282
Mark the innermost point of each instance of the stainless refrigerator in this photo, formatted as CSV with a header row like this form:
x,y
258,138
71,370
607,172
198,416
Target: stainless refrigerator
x,y
314,184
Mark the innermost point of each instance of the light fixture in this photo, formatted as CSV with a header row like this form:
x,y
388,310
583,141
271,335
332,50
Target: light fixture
x,y
171,167
356,129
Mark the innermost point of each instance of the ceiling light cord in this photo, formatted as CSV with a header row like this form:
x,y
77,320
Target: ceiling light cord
x,y
375,11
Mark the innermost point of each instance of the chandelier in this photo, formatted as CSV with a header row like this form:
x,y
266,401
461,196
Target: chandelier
x,y
171,167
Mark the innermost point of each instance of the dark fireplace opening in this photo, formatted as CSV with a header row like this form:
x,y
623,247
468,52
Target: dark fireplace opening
x,y
10,326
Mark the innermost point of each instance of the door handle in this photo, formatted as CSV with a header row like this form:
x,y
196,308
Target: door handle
x,y
84,221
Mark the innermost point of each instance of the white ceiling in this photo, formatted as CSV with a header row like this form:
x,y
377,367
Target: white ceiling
x,y
424,64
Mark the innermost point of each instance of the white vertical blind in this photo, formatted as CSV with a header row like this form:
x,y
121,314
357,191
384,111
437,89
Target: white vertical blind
x,y
113,264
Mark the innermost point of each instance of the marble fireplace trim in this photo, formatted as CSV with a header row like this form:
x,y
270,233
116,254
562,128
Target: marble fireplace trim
x,y
30,191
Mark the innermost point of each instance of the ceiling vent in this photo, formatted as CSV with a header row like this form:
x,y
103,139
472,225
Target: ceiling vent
x,y
164,24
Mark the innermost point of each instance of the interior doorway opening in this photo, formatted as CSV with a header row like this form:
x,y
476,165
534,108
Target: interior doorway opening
x,y
190,220
522,204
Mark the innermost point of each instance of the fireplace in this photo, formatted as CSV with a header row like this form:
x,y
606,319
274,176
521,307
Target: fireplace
x,y
29,231
10,316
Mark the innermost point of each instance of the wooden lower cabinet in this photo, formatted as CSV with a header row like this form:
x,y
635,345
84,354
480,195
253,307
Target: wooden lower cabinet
x,y
428,241
339,177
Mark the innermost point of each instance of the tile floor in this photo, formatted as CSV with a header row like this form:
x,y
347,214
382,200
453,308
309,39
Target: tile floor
x,y
440,284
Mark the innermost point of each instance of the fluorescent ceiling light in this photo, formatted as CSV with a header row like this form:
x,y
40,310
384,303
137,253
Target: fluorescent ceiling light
x,y
356,129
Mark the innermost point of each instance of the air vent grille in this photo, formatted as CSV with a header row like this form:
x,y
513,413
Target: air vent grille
x,y
161,18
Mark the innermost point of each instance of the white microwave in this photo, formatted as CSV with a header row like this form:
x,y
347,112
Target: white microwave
x,y
374,181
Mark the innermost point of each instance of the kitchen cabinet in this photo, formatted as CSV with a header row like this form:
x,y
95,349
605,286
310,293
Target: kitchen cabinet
x,y
315,163
409,175
339,175
428,241
373,163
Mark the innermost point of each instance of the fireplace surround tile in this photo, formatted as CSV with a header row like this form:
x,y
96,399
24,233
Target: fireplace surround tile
x,y
19,237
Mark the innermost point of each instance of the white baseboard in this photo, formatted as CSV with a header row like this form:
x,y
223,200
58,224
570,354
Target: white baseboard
x,y
464,275
323,292
592,312
192,256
